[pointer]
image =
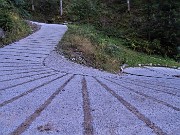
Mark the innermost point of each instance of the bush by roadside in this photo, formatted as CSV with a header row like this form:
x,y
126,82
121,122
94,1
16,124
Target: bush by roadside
x,y
12,23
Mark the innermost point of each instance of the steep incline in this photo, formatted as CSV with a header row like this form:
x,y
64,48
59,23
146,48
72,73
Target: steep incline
x,y
42,93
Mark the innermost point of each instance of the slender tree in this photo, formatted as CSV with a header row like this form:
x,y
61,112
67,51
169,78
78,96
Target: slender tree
x,y
128,4
61,9
32,3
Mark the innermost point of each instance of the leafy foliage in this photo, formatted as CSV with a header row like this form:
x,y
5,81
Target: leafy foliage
x,y
11,22
160,24
80,10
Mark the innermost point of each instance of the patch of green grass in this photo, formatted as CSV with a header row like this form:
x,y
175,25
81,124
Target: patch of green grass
x,y
97,50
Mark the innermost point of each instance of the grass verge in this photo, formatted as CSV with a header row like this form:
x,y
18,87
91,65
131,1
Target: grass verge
x,y
85,45
27,28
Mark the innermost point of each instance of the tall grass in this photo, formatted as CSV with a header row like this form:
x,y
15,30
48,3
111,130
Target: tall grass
x,y
86,45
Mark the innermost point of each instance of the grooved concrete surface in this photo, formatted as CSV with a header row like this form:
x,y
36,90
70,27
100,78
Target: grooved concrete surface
x,y
42,93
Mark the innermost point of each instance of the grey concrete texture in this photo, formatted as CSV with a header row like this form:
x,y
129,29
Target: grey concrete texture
x,y
42,93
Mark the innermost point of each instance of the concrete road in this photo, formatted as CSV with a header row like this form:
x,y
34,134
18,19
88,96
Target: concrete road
x,y
43,93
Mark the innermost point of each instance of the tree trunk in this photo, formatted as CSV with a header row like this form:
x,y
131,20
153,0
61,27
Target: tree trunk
x,y
128,3
32,2
61,9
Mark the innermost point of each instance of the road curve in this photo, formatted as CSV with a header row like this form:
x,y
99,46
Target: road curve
x,y
43,93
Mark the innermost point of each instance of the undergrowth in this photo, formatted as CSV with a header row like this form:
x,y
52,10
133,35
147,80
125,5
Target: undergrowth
x,y
12,23
86,45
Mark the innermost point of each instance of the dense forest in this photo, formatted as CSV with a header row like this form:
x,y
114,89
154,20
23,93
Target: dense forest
x,y
150,26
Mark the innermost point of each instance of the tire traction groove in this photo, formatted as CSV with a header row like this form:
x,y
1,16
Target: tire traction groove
x,y
2,89
135,80
20,63
157,71
20,66
26,124
22,69
147,96
133,109
24,64
23,60
157,84
29,91
24,72
23,46
34,47
26,52
158,77
167,92
25,49
25,76
88,126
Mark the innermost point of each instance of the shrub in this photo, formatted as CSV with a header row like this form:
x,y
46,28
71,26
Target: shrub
x,y
82,10
11,22
6,21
